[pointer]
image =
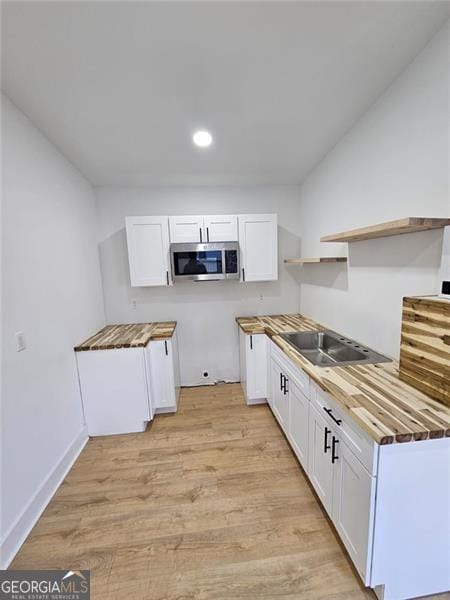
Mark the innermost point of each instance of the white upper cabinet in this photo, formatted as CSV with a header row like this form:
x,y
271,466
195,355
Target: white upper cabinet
x,y
186,229
148,250
199,228
220,228
149,240
258,242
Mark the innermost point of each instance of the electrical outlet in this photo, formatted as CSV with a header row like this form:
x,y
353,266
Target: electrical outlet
x,y
134,304
21,341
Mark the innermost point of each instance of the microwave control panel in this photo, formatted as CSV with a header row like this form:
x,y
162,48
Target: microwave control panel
x,y
231,263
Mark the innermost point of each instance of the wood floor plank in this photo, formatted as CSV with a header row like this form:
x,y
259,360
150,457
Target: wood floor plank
x,y
207,504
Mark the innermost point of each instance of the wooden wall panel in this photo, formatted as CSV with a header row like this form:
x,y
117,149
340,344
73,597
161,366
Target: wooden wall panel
x,y
425,346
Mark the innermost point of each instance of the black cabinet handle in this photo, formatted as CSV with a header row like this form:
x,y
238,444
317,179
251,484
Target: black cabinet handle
x,y
243,274
201,235
251,342
334,456
285,389
165,345
330,413
207,233
281,381
326,445
167,277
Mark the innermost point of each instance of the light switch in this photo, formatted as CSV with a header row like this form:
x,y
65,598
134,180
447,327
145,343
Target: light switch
x,y
21,341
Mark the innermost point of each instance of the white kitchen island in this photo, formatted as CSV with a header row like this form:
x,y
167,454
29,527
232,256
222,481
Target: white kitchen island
x,y
128,373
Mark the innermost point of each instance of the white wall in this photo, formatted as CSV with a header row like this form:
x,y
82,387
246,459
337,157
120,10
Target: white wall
x,y
52,293
205,311
393,163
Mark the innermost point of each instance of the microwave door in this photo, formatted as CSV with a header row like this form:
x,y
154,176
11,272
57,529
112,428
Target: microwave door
x,y
197,264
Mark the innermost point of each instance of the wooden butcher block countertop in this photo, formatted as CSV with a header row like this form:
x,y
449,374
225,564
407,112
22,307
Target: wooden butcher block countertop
x,y
388,409
136,335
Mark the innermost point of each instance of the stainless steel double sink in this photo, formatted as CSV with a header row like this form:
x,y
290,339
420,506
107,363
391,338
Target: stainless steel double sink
x,y
330,349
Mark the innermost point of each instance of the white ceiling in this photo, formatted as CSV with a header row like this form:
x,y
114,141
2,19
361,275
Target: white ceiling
x,y
119,87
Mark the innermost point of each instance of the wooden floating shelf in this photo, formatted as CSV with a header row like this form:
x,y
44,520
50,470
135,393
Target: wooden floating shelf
x,y
398,227
312,261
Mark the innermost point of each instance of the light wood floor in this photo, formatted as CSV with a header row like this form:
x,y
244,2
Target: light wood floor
x,y
209,503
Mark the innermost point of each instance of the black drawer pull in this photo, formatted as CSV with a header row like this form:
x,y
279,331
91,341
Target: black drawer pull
x,y
330,413
165,345
251,342
285,388
326,445
281,381
334,456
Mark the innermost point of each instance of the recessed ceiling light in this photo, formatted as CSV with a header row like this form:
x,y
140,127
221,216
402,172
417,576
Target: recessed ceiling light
x,y
202,139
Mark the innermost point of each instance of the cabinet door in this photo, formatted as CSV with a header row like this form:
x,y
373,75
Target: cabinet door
x,y
353,507
173,346
299,423
281,399
221,228
148,250
162,376
275,387
186,229
256,363
258,241
320,466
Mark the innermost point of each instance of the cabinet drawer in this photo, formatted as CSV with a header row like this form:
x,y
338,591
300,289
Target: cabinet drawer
x,y
364,448
299,377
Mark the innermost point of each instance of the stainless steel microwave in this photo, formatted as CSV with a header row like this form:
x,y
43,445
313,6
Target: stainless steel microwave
x,y
204,262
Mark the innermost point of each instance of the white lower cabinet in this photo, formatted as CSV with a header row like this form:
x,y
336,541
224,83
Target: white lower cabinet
x,y
290,406
280,392
298,423
276,387
353,506
253,367
320,465
162,361
121,389
388,503
326,446
114,390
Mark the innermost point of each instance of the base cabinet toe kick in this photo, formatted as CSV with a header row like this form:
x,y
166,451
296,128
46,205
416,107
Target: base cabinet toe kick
x,y
390,504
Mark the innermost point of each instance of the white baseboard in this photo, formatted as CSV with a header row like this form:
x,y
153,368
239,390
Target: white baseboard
x,y
253,401
165,410
21,528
